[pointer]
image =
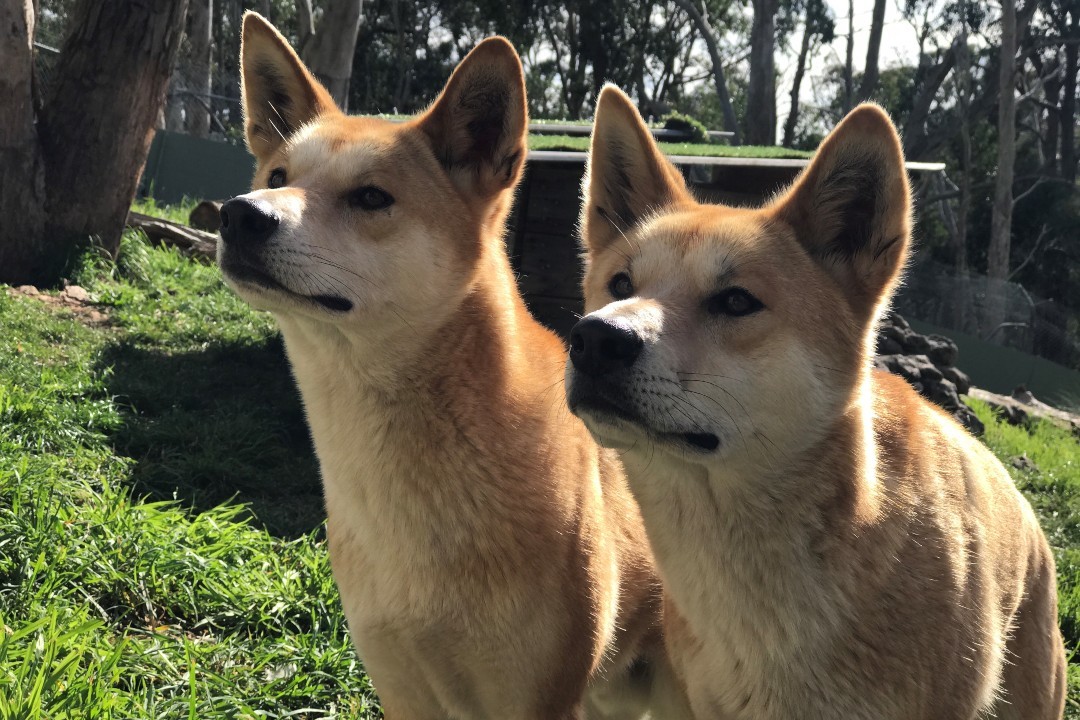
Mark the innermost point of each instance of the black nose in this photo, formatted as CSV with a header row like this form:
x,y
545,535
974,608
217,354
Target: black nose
x,y
598,346
245,221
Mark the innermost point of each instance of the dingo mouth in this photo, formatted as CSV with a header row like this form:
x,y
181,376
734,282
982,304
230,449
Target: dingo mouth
x,y
606,412
248,274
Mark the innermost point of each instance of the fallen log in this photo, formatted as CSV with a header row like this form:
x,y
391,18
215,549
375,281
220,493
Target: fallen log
x,y
193,242
1022,405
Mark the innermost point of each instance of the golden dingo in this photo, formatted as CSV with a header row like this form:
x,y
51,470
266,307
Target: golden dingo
x,y
833,546
491,561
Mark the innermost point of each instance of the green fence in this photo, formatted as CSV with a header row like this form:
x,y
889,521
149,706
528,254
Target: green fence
x,y
1000,369
180,166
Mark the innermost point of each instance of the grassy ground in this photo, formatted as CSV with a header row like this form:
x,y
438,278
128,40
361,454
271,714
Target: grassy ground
x,y
161,548
161,551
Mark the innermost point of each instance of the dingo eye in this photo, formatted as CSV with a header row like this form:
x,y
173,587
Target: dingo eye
x,y
370,197
621,286
277,178
735,302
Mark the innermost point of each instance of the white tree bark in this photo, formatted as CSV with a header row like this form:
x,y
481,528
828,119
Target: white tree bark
x,y
709,35
1001,214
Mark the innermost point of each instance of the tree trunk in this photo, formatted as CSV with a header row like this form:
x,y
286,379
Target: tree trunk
x,y
24,248
796,86
873,49
849,61
1050,141
1068,100
306,24
329,52
1001,213
709,35
75,177
197,69
761,93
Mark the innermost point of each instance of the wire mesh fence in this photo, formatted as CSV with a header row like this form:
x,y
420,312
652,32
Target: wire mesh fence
x,y
998,311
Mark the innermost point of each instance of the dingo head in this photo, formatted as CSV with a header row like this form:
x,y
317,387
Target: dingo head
x,y
721,333
363,223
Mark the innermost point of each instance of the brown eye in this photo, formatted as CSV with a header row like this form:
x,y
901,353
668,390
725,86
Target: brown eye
x,y
370,197
621,286
734,302
277,178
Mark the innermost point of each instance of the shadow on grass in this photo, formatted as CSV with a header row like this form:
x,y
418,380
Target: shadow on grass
x,y
224,424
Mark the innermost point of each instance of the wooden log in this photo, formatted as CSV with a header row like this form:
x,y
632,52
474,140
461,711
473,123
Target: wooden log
x,y
194,242
1022,404
206,216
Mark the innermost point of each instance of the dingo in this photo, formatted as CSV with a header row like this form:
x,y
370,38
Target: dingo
x,y
491,560
833,546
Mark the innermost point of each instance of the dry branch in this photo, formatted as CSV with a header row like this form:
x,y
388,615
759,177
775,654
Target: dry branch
x,y
194,242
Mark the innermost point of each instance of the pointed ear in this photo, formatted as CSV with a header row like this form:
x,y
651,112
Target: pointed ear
x,y
279,94
626,176
478,124
851,208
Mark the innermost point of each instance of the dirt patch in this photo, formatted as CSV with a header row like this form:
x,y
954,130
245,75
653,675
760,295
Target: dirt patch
x,y
72,298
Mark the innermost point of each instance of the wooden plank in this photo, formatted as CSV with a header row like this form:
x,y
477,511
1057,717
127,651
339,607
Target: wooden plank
x,y
567,157
586,130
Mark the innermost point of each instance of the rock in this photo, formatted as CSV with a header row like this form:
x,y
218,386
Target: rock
x,y
1011,414
896,334
74,293
888,346
916,344
901,365
958,378
1021,394
928,364
943,392
966,417
1023,462
928,372
943,351
28,290
895,319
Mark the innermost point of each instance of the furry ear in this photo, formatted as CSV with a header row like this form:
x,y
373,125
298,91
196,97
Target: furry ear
x,y
478,124
851,208
279,94
626,176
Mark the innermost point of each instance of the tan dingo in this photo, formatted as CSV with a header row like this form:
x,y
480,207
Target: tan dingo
x,y
490,558
833,546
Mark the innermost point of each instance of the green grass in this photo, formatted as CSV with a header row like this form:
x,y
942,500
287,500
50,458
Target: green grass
x,y
581,144
161,539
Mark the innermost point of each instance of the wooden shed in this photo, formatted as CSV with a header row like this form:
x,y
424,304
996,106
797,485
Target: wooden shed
x,y
542,234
